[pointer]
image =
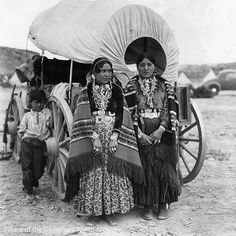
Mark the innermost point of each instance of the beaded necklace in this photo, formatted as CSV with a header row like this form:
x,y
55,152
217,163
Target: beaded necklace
x,y
148,87
101,96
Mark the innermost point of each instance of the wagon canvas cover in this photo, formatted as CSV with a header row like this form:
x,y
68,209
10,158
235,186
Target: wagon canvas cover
x,y
82,30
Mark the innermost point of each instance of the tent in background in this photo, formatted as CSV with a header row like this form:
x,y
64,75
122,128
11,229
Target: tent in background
x,y
209,76
184,80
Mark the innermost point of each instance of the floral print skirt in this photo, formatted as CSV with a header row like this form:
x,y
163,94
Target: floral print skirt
x,y
100,192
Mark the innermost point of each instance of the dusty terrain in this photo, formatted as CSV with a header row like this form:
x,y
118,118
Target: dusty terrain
x,y
206,207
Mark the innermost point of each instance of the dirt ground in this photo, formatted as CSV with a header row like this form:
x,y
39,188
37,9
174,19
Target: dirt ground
x,y
206,207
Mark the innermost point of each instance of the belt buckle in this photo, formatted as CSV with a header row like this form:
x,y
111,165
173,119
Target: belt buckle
x,y
105,119
153,115
108,119
101,112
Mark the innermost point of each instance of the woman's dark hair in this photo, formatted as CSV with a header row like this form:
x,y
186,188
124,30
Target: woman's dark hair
x,y
98,64
37,94
147,55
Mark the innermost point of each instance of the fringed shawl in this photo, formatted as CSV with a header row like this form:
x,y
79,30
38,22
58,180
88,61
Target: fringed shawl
x,y
125,161
169,137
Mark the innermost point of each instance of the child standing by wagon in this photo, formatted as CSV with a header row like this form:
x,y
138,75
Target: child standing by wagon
x,y
34,129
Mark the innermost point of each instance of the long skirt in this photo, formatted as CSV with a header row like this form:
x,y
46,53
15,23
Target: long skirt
x,y
101,192
162,177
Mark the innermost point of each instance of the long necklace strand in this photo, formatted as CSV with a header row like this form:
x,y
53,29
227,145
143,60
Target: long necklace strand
x,y
148,87
101,95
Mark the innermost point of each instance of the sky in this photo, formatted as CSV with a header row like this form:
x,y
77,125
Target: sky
x,y
205,30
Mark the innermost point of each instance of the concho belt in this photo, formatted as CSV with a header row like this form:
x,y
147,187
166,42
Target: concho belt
x,y
149,113
104,116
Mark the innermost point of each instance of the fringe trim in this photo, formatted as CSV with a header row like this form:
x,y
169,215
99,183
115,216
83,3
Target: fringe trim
x,y
123,168
162,175
81,164
168,173
76,166
72,188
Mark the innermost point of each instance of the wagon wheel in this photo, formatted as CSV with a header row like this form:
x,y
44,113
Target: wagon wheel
x,y
192,145
16,113
59,143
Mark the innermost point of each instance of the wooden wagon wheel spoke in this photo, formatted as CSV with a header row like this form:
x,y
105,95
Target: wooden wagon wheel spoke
x,y
64,156
188,151
188,128
57,124
61,134
59,183
61,124
54,112
62,162
185,162
60,176
189,140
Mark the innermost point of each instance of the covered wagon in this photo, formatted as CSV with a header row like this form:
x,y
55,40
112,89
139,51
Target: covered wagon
x,y
81,31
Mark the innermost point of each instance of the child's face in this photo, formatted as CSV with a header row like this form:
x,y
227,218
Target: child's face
x,y
37,105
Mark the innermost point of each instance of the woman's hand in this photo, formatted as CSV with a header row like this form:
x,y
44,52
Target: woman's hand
x,y
113,145
97,146
145,139
156,135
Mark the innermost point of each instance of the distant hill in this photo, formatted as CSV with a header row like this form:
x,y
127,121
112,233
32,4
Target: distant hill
x,y
10,58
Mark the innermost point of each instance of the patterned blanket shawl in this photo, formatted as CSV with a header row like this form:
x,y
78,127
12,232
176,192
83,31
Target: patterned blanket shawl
x,y
125,161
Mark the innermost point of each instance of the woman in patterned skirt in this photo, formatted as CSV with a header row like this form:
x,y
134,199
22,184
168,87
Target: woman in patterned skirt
x,y
154,110
103,157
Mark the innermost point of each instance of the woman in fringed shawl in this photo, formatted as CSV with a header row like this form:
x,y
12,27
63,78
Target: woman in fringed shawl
x,y
103,159
151,100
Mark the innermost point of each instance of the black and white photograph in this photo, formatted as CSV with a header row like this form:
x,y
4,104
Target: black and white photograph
x,y
117,117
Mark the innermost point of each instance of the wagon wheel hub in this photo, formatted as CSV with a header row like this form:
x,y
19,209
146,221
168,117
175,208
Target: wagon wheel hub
x,y
52,145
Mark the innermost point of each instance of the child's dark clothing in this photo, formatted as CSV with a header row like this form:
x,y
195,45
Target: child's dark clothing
x,y
33,161
35,126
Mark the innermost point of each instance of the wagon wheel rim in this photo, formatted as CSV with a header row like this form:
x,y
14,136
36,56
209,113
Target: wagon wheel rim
x,y
192,145
61,131
16,113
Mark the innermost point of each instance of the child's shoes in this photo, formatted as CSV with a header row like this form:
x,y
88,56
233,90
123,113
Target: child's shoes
x,y
28,191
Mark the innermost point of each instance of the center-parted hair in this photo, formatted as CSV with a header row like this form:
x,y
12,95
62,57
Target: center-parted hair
x,y
98,64
147,55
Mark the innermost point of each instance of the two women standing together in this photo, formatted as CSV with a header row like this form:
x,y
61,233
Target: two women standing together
x,y
116,160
